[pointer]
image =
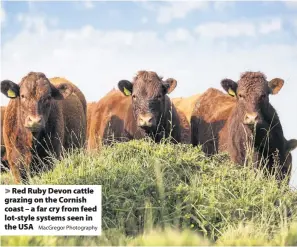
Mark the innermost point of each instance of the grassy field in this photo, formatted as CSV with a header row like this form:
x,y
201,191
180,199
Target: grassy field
x,y
164,194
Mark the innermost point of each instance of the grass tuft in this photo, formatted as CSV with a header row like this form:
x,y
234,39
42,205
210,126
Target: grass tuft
x,y
164,194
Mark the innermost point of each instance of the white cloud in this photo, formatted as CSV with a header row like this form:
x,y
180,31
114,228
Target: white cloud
x,y
231,29
33,23
88,4
178,10
2,15
96,60
222,5
291,4
36,23
271,26
179,34
31,5
238,28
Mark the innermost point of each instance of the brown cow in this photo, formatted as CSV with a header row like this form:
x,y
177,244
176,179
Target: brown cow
x,y
4,162
39,123
141,108
187,104
224,123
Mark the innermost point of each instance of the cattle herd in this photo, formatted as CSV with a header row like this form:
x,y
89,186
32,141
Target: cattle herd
x,y
46,117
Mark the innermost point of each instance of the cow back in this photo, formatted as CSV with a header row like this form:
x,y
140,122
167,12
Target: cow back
x,y
186,105
58,80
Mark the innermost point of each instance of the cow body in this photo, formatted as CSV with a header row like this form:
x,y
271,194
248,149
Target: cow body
x,y
245,125
147,112
41,120
208,121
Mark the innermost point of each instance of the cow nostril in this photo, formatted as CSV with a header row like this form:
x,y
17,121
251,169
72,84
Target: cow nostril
x,y
145,120
35,120
250,118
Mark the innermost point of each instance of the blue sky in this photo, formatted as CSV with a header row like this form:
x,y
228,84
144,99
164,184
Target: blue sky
x,y
136,16
96,44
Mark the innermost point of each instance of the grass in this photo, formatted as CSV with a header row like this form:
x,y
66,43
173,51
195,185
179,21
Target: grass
x,y
165,194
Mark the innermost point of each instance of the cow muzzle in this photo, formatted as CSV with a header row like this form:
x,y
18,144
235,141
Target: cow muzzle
x,y
34,123
146,120
251,118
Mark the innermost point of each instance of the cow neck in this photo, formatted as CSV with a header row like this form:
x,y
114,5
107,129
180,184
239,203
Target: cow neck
x,y
271,119
273,125
240,134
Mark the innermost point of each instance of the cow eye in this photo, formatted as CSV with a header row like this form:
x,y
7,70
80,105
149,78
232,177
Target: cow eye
x,y
134,97
23,96
240,96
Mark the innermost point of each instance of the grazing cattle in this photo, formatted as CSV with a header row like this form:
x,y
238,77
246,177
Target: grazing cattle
x,y
141,108
41,120
4,162
246,121
186,105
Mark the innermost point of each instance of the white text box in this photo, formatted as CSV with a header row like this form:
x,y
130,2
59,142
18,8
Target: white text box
x,y
50,210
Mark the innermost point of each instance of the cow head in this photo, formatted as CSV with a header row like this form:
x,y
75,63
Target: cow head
x,y
148,92
252,93
35,94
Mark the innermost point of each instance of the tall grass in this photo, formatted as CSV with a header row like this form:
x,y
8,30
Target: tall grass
x,y
165,194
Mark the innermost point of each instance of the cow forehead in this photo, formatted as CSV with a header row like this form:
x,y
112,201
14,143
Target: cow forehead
x,y
147,88
35,86
253,85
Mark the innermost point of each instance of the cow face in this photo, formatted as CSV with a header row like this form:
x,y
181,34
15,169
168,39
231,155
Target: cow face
x,y
35,94
148,92
252,93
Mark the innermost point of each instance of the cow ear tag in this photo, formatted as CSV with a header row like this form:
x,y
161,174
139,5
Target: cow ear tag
x,y
11,94
127,92
231,92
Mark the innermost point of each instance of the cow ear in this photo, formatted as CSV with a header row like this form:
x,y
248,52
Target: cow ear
x,y
61,91
275,85
229,86
10,89
291,145
170,85
125,87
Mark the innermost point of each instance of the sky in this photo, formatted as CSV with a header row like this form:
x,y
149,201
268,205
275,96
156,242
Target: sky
x,y
96,44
